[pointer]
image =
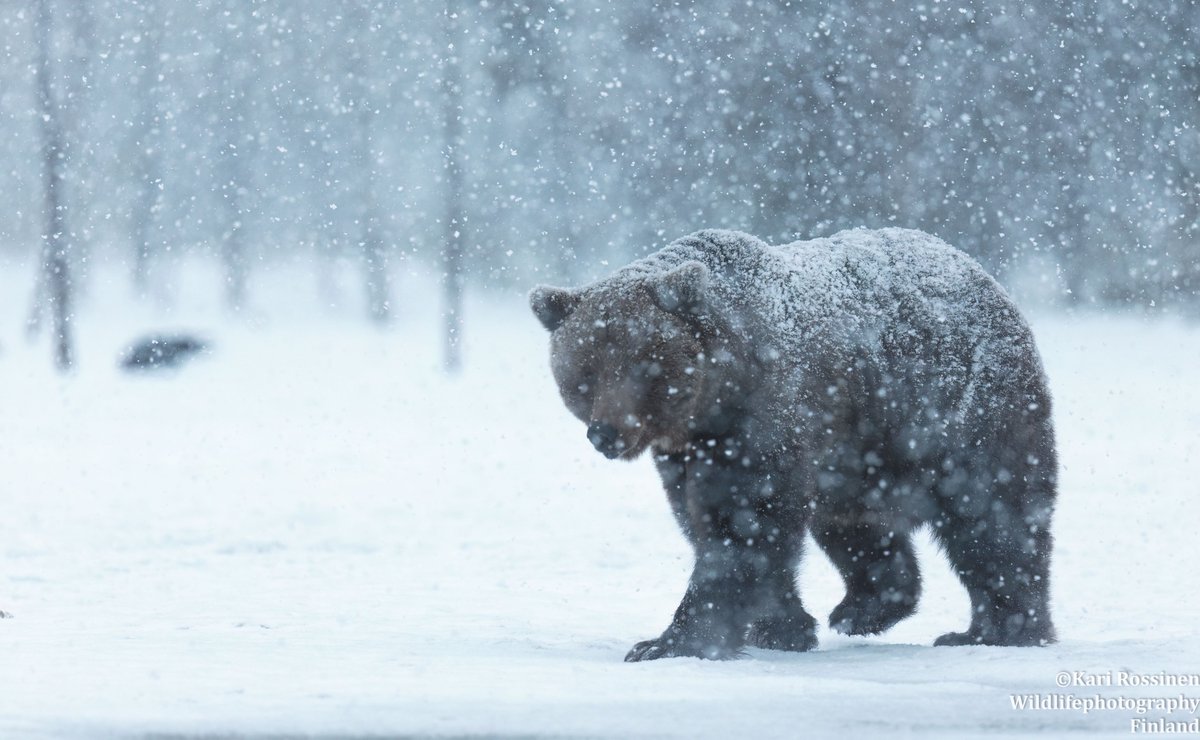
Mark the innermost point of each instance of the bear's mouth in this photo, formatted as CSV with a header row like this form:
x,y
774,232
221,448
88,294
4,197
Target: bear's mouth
x,y
629,450
628,453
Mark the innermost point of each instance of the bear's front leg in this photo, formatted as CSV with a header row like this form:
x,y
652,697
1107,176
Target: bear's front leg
x,y
711,620
739,528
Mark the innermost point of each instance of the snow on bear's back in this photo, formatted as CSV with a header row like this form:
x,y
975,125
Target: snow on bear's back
x,y
887,264
820,288
836,288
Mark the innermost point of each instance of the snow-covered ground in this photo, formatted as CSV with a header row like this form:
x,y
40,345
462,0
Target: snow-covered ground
x,y
313,531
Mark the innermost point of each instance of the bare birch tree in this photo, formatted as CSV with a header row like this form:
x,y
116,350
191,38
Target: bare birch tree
x,y
55,282
146,229
362,97
455,215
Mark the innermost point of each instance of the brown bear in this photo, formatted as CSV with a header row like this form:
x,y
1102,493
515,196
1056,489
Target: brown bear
x,y
856,387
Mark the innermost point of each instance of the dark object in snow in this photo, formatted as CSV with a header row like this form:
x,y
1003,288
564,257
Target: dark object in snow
x,y
163,351
856,387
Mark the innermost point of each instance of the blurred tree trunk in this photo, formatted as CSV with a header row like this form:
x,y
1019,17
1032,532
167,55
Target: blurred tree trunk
x,y
239,78
455,223
233,194
374,256
54,289
375,262
146,230
78,76
531,58
563,177
235,144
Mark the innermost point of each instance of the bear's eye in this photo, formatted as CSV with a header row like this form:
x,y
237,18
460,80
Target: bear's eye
x,y
585,381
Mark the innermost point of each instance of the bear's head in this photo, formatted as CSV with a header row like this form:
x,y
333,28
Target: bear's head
x,y
628,357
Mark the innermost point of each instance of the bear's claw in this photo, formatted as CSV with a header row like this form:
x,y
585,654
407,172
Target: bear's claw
x,y
783,634
958,638
869,615
647,650
1034,637
663,647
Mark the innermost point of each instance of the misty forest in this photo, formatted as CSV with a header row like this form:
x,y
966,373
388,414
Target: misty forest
x,y
282,451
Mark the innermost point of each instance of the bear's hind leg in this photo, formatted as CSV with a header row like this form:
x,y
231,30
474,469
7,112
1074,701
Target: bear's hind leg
x,y
782,623
1007,576
880,571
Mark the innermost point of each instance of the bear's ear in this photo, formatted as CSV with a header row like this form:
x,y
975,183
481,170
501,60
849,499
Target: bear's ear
x,y
552,306
683,289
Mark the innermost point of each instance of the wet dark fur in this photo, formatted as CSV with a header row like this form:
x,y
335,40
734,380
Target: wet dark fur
x,y
858,442
162,352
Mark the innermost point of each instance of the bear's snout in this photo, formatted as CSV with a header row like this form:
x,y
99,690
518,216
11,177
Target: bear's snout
x,y
604,437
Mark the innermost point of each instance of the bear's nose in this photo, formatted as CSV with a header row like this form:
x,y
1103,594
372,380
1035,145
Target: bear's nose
x,y
604,438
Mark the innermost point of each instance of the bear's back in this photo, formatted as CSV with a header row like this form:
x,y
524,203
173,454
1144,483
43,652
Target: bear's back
x,y
838,288
903,302
914,307
835,294
884,268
